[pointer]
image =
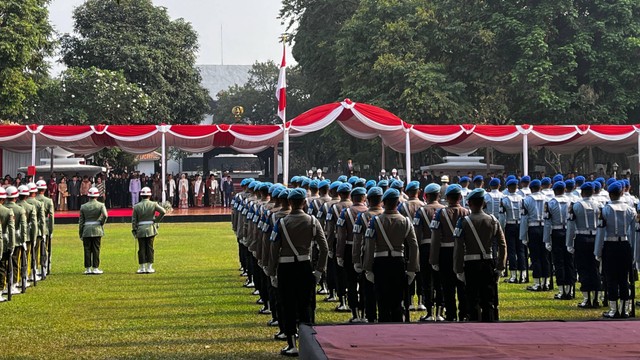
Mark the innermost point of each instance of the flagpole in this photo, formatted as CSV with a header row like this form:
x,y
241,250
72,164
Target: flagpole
x,y
282,111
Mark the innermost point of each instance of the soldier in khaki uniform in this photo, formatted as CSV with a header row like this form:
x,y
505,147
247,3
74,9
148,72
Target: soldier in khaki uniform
x,y
7,242
20,234
367,288
389,237
21,262
317,208
473,260
290,266
49,214
144,225
409,208
93,215
441,257
32,253
431,289
330,275
331,224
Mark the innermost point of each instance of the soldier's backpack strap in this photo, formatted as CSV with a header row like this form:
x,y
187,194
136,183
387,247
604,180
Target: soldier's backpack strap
x,y
286,236
475,235
446,217
353,222
384,233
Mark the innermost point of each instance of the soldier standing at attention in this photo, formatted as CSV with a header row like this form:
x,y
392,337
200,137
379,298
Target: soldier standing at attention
x,y
431,288
32,234
441,257
409,208
614,239
144,225
32,252
509,217
49,215
93,215
387,239
7,242
582,226
531,234
290,266
473,260
20,237
333,215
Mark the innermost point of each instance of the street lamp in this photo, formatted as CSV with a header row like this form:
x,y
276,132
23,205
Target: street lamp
x,y
615,170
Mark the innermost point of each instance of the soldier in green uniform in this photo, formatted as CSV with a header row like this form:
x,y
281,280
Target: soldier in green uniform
x,y
473,260
7,243
20,234
49,215
93,215
144,224
22,261
32,253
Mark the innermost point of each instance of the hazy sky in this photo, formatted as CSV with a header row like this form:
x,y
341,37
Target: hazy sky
x,y
250,28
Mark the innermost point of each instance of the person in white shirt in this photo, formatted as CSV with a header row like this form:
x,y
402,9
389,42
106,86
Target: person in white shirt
x,y
171,188
213,190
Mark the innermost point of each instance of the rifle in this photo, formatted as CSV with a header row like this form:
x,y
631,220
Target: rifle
x,y
9,276
48,244
33,262
23,269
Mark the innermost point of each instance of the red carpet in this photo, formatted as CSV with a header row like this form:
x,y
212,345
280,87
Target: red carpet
x,y
508,340
111,212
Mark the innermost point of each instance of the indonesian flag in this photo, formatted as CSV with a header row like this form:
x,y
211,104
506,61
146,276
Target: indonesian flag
x,y
281,91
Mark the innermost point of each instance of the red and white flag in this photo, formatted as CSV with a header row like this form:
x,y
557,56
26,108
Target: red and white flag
x,y
281,91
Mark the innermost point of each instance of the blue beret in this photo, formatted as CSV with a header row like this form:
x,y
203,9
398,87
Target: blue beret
x,y
600,180
476,194
335,185
558,177
432,188
383,183
244,182
559,185
264,186
297,194
253,184
545,180
511,177
391,194
587,186
464,179
414,185
571,184
397,184
272,187
361,182
323,183
295,179
580,180
453,189
374,191
512,182
526,178
626,182
344,187
616,187
596,185
611,181
370,184
494,182
342,178
284,193
535,183
305,182
478,178
277,189
314,184
358,191
352,180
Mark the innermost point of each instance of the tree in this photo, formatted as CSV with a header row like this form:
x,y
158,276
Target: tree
x,y
153,51
25,42
91,96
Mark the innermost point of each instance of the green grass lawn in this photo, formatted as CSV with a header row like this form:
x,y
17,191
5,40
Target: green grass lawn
x,y
194,307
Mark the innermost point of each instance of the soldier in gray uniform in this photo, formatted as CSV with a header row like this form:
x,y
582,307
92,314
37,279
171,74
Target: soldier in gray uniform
x,y
7,242
531,234
582,226
388,237
473,260
21,235
93,216
144,224
290,266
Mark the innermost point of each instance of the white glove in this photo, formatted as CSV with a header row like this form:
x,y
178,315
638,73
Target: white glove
x,y
331,254
24,245
340,262
461,277
435,267
548,246
525,242
357,268
264,268
318,276
369,276
254,253
274,281
598,258
571,250
410,276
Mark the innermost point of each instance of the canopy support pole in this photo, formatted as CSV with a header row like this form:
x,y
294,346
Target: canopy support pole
x,y
285,156
407,149
163,167
33,150
639,160
275,164
383,157
525,154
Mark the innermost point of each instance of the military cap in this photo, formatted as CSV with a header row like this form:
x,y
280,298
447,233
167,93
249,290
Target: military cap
x,y
41,184
23,190
570,184
535,183
374,191
558,177
596,185
391,194
464,179
358,191
361,182
616,187
397,184
352,180
478,178
587,186
284,193
314,184
276,191
526,179
611,181
510,177
342,178
580,180
600,180
3,193
253,184
345,187
476,194
263,187
297,194
245,182
412,186
432,188
370,184
626,182
93,192
335,185
295,179
545,180
33,188
511,182
323,183
453,189
559,185
12,192
494,182
383,183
